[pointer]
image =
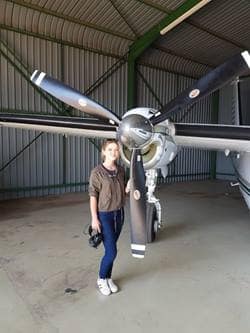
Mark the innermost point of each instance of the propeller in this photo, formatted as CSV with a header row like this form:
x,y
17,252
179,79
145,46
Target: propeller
x,y
215,79
72,97
137,204
135,131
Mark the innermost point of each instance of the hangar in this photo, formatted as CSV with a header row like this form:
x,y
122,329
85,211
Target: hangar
x,y
121,55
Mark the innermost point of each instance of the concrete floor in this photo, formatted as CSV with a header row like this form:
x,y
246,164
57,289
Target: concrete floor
x,y
195,278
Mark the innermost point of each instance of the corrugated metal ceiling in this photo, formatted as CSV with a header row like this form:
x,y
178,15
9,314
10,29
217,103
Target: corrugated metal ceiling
x,y
188,41
214,33
228,18
173,63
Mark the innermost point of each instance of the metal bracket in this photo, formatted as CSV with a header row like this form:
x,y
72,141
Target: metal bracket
x,y
151,182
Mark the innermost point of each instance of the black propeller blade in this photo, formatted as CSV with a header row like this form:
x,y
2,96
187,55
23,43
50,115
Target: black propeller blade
x,y
72,97
137,205
215,79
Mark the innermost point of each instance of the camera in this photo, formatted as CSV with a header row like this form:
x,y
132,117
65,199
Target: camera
x,y
95,238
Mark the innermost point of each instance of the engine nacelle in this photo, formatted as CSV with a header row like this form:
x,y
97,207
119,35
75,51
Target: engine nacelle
x,y
161,149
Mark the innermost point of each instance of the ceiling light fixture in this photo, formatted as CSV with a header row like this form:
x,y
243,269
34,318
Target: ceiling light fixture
x,y
184,16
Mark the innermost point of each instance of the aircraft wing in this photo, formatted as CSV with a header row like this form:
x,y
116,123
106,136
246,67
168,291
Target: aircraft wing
x,y
87,127
213,137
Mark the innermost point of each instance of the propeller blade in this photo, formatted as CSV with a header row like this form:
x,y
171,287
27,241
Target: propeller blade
x,y
72,97
215,79
137,205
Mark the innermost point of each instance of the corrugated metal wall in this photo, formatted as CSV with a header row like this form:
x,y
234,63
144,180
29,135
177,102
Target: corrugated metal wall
x,y
54,164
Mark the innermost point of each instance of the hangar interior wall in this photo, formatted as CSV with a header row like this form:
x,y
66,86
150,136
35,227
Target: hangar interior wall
x,y
54,164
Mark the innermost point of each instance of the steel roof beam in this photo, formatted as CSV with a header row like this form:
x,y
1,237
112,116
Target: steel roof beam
x,y
195,24
124,18
142,43
155,6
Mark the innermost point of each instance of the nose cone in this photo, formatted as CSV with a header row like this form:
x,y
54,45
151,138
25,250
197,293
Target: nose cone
x,y
135,131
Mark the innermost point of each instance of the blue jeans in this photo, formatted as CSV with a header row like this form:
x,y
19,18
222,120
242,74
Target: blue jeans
x,y
111,226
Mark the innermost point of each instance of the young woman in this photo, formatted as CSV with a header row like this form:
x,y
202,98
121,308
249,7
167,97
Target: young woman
x,y
107,199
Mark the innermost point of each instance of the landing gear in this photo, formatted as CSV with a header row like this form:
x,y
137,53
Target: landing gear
x,y
153,215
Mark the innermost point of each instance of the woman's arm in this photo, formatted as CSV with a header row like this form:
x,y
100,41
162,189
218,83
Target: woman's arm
x,y
93,209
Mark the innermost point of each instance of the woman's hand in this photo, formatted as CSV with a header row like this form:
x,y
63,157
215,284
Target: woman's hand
x,y
127,189
95,224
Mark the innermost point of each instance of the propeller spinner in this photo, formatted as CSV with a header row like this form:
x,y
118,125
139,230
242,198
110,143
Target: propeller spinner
x,y
135,131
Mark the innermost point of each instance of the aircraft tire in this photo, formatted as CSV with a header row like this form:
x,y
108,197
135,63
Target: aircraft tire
x,y
150,222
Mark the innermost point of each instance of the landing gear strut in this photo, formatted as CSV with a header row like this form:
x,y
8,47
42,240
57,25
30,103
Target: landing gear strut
x,y
153,216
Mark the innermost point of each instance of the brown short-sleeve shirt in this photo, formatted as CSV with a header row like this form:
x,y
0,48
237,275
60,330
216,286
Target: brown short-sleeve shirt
x,y
109,190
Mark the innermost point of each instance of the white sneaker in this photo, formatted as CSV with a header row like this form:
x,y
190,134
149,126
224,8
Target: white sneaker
x,y
103,286
113,287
